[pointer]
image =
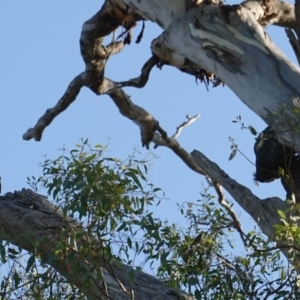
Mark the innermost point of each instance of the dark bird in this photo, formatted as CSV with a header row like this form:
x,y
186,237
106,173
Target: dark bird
x,y
274,160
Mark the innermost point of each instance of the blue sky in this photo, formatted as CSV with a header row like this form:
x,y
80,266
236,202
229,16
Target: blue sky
x,y
40,56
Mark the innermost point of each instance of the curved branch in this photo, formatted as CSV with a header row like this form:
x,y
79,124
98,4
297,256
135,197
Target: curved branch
x,y
141,81
278,13
266,12
189,121
294,43
112,14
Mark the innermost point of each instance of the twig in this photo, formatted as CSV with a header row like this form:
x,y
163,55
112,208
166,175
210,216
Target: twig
x,y
225,204
185,124
294,43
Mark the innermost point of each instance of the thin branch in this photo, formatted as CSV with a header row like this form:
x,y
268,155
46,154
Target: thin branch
x,y
68,97
141,81
95,56
185,124
109,50
233,215
149,126
294,43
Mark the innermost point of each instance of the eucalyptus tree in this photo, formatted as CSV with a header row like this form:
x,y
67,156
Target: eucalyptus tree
x,y
215,43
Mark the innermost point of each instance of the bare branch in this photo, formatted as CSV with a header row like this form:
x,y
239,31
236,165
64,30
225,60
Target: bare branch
x,y
185,124
294,43
109,50
112,14
141,81
149,126
265,12
229,209
230,48
69,97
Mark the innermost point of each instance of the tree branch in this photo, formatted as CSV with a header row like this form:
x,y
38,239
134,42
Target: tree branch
x,y
68,97
230,44
294,43
264,212
35,224
141,81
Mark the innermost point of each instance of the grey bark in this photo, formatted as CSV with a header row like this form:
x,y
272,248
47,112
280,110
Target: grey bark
x,y
30,221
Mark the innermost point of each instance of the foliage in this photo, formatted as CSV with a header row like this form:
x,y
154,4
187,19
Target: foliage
x,y
108,198
202,259
111,200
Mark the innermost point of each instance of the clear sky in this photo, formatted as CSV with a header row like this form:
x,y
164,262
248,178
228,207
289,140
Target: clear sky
x,y
40,55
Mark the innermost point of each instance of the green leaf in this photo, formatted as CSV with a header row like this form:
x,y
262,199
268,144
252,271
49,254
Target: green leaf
x,y
252,130
122,226
198,295
30,262
16,279
129,243
281,214
232,154
135,179
193,281
131,277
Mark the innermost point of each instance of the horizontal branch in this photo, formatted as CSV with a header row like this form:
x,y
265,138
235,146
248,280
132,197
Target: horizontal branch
x,y
164,12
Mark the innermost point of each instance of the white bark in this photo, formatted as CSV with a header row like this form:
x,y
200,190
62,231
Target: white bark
x,y
231,44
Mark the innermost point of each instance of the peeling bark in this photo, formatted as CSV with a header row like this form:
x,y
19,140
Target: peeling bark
x,y
216,39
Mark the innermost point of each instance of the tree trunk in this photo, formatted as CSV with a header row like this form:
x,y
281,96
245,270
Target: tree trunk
x,y
229,42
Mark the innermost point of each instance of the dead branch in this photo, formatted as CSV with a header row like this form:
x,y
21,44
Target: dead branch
x,y
68,97
294,43
185,124
141,81
229,209
264,212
